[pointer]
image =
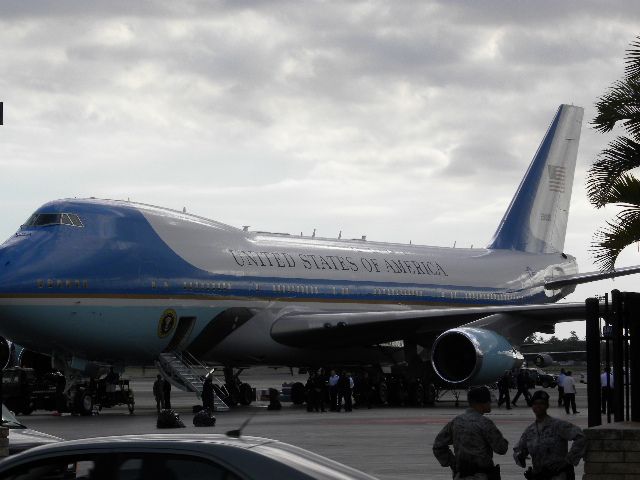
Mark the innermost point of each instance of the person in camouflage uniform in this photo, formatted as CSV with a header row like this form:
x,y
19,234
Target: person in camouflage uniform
x,y
474,438
546,440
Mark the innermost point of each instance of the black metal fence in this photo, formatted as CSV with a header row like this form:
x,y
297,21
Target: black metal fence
x,y
613,335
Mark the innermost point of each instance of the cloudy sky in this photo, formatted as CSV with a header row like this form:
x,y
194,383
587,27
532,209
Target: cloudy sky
x,y
403,121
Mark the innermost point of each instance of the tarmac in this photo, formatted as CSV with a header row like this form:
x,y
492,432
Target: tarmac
x,y
391,443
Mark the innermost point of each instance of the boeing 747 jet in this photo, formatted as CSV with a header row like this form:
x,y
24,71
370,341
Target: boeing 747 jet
x,y
92,283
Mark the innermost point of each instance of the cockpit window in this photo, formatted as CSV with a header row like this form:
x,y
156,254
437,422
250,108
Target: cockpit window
x,y
75,219
44,219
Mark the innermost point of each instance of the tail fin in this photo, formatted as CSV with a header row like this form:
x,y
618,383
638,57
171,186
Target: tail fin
x,y
536,220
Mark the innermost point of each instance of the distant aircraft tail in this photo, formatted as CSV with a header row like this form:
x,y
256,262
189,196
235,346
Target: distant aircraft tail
x,y
536,220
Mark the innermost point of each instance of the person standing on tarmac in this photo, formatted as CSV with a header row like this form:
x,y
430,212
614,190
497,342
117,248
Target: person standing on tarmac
x,y
207,393
317,385
503,389
569,385
158,393
546,440
333,390
345,389
166,389
606,384
522,382
366,389
474,438
309,393
111,380
560,382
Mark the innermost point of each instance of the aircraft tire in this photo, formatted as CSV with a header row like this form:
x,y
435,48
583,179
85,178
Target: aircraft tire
x,y
245,394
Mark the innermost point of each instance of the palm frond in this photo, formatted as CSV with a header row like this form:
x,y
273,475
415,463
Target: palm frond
x,y
621,103
608,180
609,241
622,155
625,191
632,60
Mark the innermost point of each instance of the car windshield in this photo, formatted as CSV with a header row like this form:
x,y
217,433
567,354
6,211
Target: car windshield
x,y
9,420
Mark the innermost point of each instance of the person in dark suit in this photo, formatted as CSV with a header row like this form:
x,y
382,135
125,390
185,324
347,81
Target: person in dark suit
x,y
166,390
522,382
503,389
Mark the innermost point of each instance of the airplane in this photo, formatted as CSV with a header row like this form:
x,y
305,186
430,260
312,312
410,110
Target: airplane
x,y
93,282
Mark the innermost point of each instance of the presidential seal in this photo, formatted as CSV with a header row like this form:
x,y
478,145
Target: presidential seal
x,y
167,322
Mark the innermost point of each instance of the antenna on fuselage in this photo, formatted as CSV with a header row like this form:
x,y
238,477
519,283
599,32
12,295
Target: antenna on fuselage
x,y
245,228
184,209
454,244
314,233
340,235
238,431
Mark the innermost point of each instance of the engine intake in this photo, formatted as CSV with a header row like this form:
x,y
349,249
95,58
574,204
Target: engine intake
x,y
5,353
473,356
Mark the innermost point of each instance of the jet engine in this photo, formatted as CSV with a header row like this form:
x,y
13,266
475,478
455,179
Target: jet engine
x,y
543,360
5,353
473,356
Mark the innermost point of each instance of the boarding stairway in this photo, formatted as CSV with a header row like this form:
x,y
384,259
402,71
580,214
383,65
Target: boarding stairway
x,y
187,373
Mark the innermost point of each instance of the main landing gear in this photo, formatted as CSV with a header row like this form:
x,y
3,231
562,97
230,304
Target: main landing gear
x,y
234,391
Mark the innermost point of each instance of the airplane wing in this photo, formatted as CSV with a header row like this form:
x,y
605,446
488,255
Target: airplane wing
x,y
310,329
558,282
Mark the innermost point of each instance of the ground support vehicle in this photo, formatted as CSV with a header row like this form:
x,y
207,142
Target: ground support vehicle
x,y
95,395
24,390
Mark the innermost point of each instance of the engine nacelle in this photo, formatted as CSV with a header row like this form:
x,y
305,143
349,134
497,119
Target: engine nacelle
x,y
30,359
543,360
5,353
473,356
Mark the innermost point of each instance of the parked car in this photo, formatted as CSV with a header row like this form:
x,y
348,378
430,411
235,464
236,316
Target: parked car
x,y
22,438
175,457
542,378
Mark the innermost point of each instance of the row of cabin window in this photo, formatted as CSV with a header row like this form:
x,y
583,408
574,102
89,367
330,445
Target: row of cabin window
x,y
154,284
398,292
491,296
51,283
206,285
295,289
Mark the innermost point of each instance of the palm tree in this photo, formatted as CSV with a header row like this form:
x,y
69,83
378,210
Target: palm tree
x,y
608,179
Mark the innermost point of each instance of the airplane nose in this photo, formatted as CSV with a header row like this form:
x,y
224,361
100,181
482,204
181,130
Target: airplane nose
x,y
9,252
5,264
